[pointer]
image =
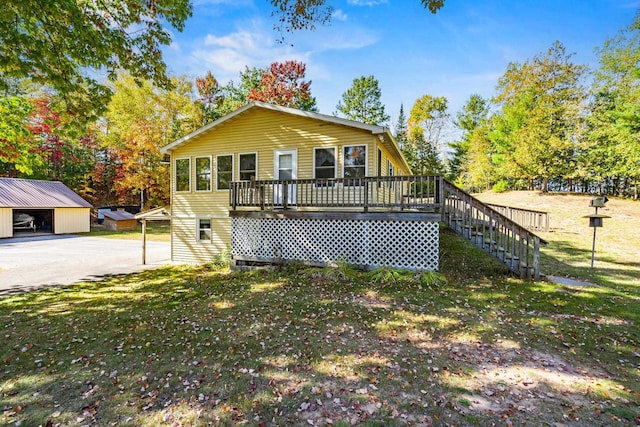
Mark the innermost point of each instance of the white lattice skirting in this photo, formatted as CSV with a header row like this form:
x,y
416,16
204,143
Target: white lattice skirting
x,y
411,245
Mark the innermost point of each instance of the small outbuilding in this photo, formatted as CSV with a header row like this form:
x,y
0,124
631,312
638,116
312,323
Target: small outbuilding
x,y
28,205
120,221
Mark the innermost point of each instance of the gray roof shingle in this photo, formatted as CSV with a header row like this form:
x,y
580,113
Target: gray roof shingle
x,y
30,193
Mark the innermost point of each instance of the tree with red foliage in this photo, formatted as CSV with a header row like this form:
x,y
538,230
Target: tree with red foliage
x,y
284,84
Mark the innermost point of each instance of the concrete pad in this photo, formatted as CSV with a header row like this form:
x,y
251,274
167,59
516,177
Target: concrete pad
x,y
30,263
569,282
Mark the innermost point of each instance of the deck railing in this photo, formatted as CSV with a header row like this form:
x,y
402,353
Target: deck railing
x,y
383,192
517,247
528,218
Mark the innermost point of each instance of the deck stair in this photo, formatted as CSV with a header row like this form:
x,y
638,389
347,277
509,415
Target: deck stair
x,y
496,234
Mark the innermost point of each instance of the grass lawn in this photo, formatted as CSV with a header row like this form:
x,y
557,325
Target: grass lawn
x,y
302,346
157,231
617,260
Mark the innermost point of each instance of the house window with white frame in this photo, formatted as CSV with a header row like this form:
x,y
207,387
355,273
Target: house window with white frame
x,y
355,163
204,229
203,173
183,174
224,171
324,163
248,166
391,171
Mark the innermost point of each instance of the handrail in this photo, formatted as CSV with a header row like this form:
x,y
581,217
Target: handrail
x,y
528,218
380,192
514,245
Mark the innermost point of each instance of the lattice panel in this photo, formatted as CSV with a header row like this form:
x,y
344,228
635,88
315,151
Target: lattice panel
x,y
411,245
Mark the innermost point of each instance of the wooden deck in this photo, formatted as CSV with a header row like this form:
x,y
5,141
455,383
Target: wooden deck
x,y
373,200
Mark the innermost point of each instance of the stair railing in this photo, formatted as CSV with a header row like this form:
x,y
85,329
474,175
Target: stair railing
x,y
515,246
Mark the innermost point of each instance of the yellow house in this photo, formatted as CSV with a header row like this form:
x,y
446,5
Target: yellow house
x,y
275,162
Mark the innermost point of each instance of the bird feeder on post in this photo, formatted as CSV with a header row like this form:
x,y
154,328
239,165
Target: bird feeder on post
x,y
595,220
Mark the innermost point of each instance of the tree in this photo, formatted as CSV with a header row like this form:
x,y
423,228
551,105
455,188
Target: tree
x,y
401,132
612,151
211,97
61,44
362,102
304,14
477,169
472,116
65,146
141,119
540,121
17,150
284,84
427,121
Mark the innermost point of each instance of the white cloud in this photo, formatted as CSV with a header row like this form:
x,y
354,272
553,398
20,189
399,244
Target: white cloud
x,y
226,56
339,15
366,2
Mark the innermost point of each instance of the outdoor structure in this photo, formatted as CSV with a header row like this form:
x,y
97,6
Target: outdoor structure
x,y
119,221
156,214
43,206
276,184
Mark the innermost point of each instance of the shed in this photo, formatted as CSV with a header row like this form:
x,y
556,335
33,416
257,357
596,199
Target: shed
x,y
41,206
120,221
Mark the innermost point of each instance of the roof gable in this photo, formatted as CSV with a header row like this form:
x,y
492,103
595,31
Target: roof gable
x,y
30,193
376,130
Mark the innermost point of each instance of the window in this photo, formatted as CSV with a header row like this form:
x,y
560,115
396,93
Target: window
x,y
203,173
355,162
248,166
390,169
379,162
183,174
224,172
204,229
324,163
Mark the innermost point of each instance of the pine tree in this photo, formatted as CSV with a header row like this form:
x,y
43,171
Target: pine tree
x,y
362,102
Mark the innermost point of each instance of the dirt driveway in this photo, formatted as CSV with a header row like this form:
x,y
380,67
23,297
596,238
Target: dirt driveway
x,y
38,262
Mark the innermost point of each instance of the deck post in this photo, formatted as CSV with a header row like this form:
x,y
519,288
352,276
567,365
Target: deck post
x,y
232,195
366,195
536,257
285,195
144,242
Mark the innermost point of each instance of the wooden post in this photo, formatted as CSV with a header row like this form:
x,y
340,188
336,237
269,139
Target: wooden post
x,y
144,242
536,258
366,195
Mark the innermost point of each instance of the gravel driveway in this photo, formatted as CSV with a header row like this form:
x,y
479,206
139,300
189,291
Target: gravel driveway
x,y
38,262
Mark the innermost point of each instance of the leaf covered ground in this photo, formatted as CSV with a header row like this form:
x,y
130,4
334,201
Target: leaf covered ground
x,y
303,346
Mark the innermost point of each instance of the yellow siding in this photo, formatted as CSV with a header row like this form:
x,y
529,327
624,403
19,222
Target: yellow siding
x,y
261,131
6,222
71,220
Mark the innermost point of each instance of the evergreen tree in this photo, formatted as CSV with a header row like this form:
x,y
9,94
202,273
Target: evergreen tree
x,y
362,102
401,131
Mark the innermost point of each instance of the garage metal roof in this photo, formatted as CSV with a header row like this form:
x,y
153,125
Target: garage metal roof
x,y
119,215
30,193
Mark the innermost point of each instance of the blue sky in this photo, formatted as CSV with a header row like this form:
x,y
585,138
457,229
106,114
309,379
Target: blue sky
x,y
461,50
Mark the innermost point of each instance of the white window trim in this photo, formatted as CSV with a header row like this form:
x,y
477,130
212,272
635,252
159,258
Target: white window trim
x,y
294,159
232,170
198,239
195,170
240,170
391,169
175,174
366,157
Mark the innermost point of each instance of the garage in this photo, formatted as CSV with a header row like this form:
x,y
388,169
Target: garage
x,y
30,207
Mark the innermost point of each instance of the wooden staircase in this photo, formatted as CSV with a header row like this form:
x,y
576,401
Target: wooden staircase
x,y
512,244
